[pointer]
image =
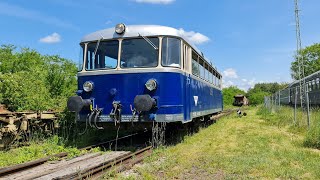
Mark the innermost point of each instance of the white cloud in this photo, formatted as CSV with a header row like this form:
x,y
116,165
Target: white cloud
x,y
155,1
53,38
194,37
108,22
231,78
230,73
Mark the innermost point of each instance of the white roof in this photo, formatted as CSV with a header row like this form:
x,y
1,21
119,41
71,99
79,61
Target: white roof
x,y
309,76
135,30
144,30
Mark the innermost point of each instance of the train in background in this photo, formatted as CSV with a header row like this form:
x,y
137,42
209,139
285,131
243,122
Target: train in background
x,y
240,100
143,74
291,94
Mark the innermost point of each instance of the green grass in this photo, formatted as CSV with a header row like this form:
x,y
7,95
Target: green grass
x,y
235,148
284,117
36,150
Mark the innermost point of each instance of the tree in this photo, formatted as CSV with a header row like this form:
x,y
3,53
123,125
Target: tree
x,y
31,81
229,93
310,57
260,90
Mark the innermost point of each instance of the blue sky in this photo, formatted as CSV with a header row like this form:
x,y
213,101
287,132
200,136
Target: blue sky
x,y
248,41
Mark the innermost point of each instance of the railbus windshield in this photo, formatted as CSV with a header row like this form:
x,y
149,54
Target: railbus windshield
x,y
134,53
103,56
138,53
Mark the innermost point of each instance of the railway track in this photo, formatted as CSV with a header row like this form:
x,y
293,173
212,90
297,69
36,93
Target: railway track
x,y
91,165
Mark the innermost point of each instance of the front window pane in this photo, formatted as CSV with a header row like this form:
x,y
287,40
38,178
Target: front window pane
x,y
80,64
171,52
106,56
138,53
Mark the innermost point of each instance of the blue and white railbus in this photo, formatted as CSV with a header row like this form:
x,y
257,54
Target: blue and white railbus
x,y
144,73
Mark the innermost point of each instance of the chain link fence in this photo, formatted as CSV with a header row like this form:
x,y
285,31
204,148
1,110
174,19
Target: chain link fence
x,y
299,110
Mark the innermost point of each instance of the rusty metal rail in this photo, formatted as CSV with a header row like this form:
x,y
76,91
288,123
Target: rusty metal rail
x,y
92,165
117,165
27,165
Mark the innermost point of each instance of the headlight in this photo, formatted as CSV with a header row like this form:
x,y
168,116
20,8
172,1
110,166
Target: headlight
x,y
120,28
88,86
151,84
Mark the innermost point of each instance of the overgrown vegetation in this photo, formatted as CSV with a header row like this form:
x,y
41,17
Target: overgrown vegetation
x,y
255,95
229,93
51,146
283,116
234,148
31,81
260,90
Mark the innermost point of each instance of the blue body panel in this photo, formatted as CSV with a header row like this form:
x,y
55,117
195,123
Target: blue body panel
x,y
176,95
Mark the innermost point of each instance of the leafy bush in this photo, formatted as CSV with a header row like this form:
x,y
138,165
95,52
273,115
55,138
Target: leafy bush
x,y
31,81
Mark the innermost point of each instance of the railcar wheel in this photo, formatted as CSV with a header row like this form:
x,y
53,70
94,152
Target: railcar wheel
x,y
7,139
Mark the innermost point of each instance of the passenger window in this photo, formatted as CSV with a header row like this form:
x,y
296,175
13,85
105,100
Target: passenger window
x,y
310,84
210,77
171,52
195,64
202,70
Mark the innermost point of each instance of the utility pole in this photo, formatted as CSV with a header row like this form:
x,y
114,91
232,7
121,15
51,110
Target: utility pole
x,y
304,100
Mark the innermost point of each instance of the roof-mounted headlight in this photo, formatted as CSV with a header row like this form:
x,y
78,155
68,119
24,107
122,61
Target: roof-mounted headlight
x,y
88,86
120,28
151,84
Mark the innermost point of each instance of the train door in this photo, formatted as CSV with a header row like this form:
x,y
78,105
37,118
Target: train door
x,y
186,66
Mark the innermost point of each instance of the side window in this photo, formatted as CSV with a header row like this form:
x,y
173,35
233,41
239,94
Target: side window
x,y
310,86
215,79
210,76
195,64
317,82
314,85
202,70
80,64
171,52
207,73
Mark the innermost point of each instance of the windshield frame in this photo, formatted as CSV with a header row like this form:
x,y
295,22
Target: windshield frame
x,y
120,40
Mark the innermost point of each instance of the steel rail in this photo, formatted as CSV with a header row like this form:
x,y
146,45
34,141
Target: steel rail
x,y
30,164
124,162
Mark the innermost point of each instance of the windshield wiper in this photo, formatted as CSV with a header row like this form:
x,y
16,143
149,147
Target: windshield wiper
x,y
96,48
148,41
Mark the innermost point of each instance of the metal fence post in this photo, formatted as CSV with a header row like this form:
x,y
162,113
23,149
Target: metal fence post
x,y
308,110
279,98
295,106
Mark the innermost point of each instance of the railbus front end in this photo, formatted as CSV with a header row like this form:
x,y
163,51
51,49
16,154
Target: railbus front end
x,y
142,74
